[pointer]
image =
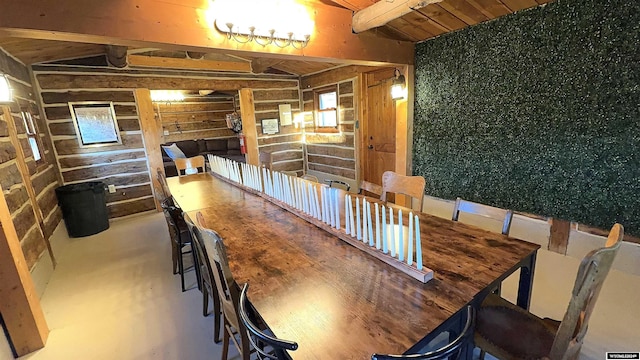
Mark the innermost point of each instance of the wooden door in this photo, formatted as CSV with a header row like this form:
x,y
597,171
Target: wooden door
x,y
379,127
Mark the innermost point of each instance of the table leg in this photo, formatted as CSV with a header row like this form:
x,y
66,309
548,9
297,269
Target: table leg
x,y
526,281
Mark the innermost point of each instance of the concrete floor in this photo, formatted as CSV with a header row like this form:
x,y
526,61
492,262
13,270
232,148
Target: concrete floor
x,y
113,296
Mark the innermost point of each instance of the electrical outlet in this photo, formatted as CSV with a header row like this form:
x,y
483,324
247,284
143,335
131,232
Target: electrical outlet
x,y
112,189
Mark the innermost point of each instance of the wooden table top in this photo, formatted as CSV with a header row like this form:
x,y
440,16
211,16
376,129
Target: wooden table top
x,y
336,301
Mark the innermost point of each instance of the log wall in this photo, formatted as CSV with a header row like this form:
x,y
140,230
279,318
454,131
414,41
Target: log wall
x,y
41,176
126,165
195,118
286,147
332,153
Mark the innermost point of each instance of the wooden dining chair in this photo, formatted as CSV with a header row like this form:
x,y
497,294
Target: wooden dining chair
x,y
338,184
452,350
188,166
485,211
310,177
371,188
509,332
164,187
266,346
265,160
207,284
228,292
181,238
412,186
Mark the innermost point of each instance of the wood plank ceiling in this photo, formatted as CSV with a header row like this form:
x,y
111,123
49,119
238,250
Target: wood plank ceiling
x,y
439,18
418,25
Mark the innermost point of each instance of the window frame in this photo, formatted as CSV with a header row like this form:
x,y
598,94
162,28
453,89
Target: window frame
x,y
316,109
32,132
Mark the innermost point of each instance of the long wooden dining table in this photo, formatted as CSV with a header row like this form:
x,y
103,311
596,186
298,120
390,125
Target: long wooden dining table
x,y
336,301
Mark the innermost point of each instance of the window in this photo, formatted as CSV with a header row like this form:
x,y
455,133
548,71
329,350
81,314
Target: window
x,y
326,107
32,135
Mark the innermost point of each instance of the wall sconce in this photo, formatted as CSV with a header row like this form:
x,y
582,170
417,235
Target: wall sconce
x,y
250,33
398,86
6,96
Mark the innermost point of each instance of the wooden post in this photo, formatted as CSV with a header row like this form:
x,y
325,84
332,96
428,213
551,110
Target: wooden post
x,y
26,177
559,235
19,303
152,135
249,128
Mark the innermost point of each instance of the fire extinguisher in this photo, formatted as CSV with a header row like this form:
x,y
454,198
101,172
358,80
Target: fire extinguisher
x,y
243,147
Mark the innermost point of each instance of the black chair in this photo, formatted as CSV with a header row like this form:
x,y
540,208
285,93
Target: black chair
x,y
341,184
259,339
207,284
452,350
180,236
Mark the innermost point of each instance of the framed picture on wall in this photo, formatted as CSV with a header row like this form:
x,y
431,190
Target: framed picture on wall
x,y
95,123
270,126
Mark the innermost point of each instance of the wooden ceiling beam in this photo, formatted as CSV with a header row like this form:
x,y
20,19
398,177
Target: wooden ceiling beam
x,y
187,27
192,64
382,12
259,65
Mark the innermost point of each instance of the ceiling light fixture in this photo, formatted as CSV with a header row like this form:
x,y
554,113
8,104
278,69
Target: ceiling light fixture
x,y
398,87
244,35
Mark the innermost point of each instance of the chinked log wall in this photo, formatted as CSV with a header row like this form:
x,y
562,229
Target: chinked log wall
x,y
332,153
41,176
195,118
125,165
286,146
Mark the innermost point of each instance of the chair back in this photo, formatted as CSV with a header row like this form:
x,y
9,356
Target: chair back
x,y
401,184
201,254
338,184
164,187
452,350
186,165
310,177
371,188
228,289
258,338
591,274
485,211
265,160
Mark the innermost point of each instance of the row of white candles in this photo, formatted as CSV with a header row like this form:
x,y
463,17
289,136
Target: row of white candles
x,y
325,207
385,234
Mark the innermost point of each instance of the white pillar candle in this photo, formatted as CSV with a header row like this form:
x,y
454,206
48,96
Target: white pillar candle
x,y
392,242
377,227
347,229
331,207
418,244
400,237
303,193
359,234
385,248
370,224
410,242
365,230
336,198
324,204
317,202
351,219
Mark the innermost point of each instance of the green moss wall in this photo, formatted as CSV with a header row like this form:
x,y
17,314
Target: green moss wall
x,y
538,111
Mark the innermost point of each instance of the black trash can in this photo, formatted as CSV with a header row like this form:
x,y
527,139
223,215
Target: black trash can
x,y
84,208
